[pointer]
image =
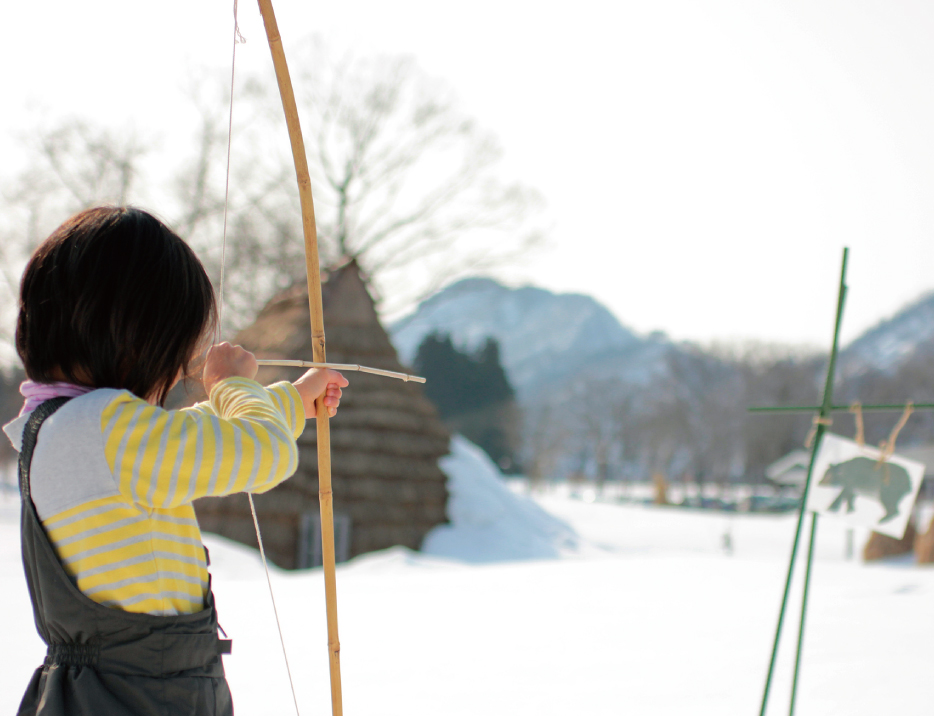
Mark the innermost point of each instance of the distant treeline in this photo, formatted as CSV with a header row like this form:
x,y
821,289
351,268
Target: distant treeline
x,y
690,422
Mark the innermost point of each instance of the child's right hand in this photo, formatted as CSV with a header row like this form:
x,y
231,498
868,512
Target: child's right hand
x,y
321,383
227,361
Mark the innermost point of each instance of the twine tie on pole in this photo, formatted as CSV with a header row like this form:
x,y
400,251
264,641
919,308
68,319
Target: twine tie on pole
x,y
815,421
888,446
857,410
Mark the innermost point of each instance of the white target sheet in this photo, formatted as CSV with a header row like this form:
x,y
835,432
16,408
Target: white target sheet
x,y
850,482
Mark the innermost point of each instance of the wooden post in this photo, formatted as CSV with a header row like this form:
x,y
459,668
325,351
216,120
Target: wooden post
x,y
313,269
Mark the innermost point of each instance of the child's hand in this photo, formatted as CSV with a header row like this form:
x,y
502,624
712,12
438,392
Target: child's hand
x,y
320,382
227,361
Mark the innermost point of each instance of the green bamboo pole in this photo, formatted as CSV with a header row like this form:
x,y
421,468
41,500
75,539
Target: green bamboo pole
x,y
825,409
891,407
804,609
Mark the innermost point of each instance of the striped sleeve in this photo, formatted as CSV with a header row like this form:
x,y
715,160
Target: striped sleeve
x,y
283,395
241,440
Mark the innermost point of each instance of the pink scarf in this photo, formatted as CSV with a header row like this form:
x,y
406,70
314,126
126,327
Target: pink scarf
x,y
37,393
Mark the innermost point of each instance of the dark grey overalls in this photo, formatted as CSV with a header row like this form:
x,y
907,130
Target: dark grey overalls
x,y
108,662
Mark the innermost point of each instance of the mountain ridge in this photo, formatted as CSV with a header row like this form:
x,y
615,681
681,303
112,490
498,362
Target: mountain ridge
x,y
544,334
893,341
599,399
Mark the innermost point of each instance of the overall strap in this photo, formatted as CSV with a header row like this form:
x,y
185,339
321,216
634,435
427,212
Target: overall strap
x,y
30,433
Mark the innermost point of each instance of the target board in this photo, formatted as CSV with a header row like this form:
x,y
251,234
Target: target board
x,y
852,483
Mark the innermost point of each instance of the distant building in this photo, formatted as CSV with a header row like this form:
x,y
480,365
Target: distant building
x,y
385,441
791,470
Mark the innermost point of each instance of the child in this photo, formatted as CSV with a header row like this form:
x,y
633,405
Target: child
x,y
113,308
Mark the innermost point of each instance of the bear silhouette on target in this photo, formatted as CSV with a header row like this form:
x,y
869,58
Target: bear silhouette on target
x,y
886,483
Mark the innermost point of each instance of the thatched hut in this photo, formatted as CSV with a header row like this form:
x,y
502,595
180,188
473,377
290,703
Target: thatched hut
x,y
385,441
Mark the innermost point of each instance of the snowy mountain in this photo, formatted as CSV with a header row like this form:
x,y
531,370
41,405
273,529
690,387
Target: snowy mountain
x,y
893,341
542,335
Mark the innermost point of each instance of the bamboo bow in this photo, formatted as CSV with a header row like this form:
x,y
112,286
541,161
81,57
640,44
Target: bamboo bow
x,y
313,270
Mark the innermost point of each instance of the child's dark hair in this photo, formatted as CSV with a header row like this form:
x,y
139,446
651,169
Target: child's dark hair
x,y
113,299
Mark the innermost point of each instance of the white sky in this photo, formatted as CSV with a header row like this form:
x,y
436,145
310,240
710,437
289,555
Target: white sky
x,y
703,163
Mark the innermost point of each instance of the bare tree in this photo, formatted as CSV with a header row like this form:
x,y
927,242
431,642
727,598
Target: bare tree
x,y
546,439
776,376
72,165
87,165
404,182
404,173
607,429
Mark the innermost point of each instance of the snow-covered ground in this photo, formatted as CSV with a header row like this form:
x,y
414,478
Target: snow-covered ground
x,y
638,610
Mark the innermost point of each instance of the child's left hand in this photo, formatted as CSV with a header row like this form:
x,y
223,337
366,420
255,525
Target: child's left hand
x,y
317,383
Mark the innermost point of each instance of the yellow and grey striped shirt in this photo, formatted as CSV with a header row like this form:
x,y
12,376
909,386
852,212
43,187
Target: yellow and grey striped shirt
x,y
113,479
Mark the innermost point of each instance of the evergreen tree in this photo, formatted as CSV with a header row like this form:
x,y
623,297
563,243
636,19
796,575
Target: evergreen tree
x,y
473,394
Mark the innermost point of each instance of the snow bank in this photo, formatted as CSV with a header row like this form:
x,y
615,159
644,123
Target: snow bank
x,y
489,523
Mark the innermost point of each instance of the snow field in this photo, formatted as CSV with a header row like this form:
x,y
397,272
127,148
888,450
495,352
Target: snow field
x,y
614,609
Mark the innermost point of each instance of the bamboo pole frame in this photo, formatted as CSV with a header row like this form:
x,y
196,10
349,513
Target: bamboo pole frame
x,y
313,270
824,411
820,424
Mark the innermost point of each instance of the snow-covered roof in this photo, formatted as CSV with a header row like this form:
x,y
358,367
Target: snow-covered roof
x,y
791,469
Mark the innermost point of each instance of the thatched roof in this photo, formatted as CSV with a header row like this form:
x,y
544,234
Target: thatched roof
x,y
385,440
